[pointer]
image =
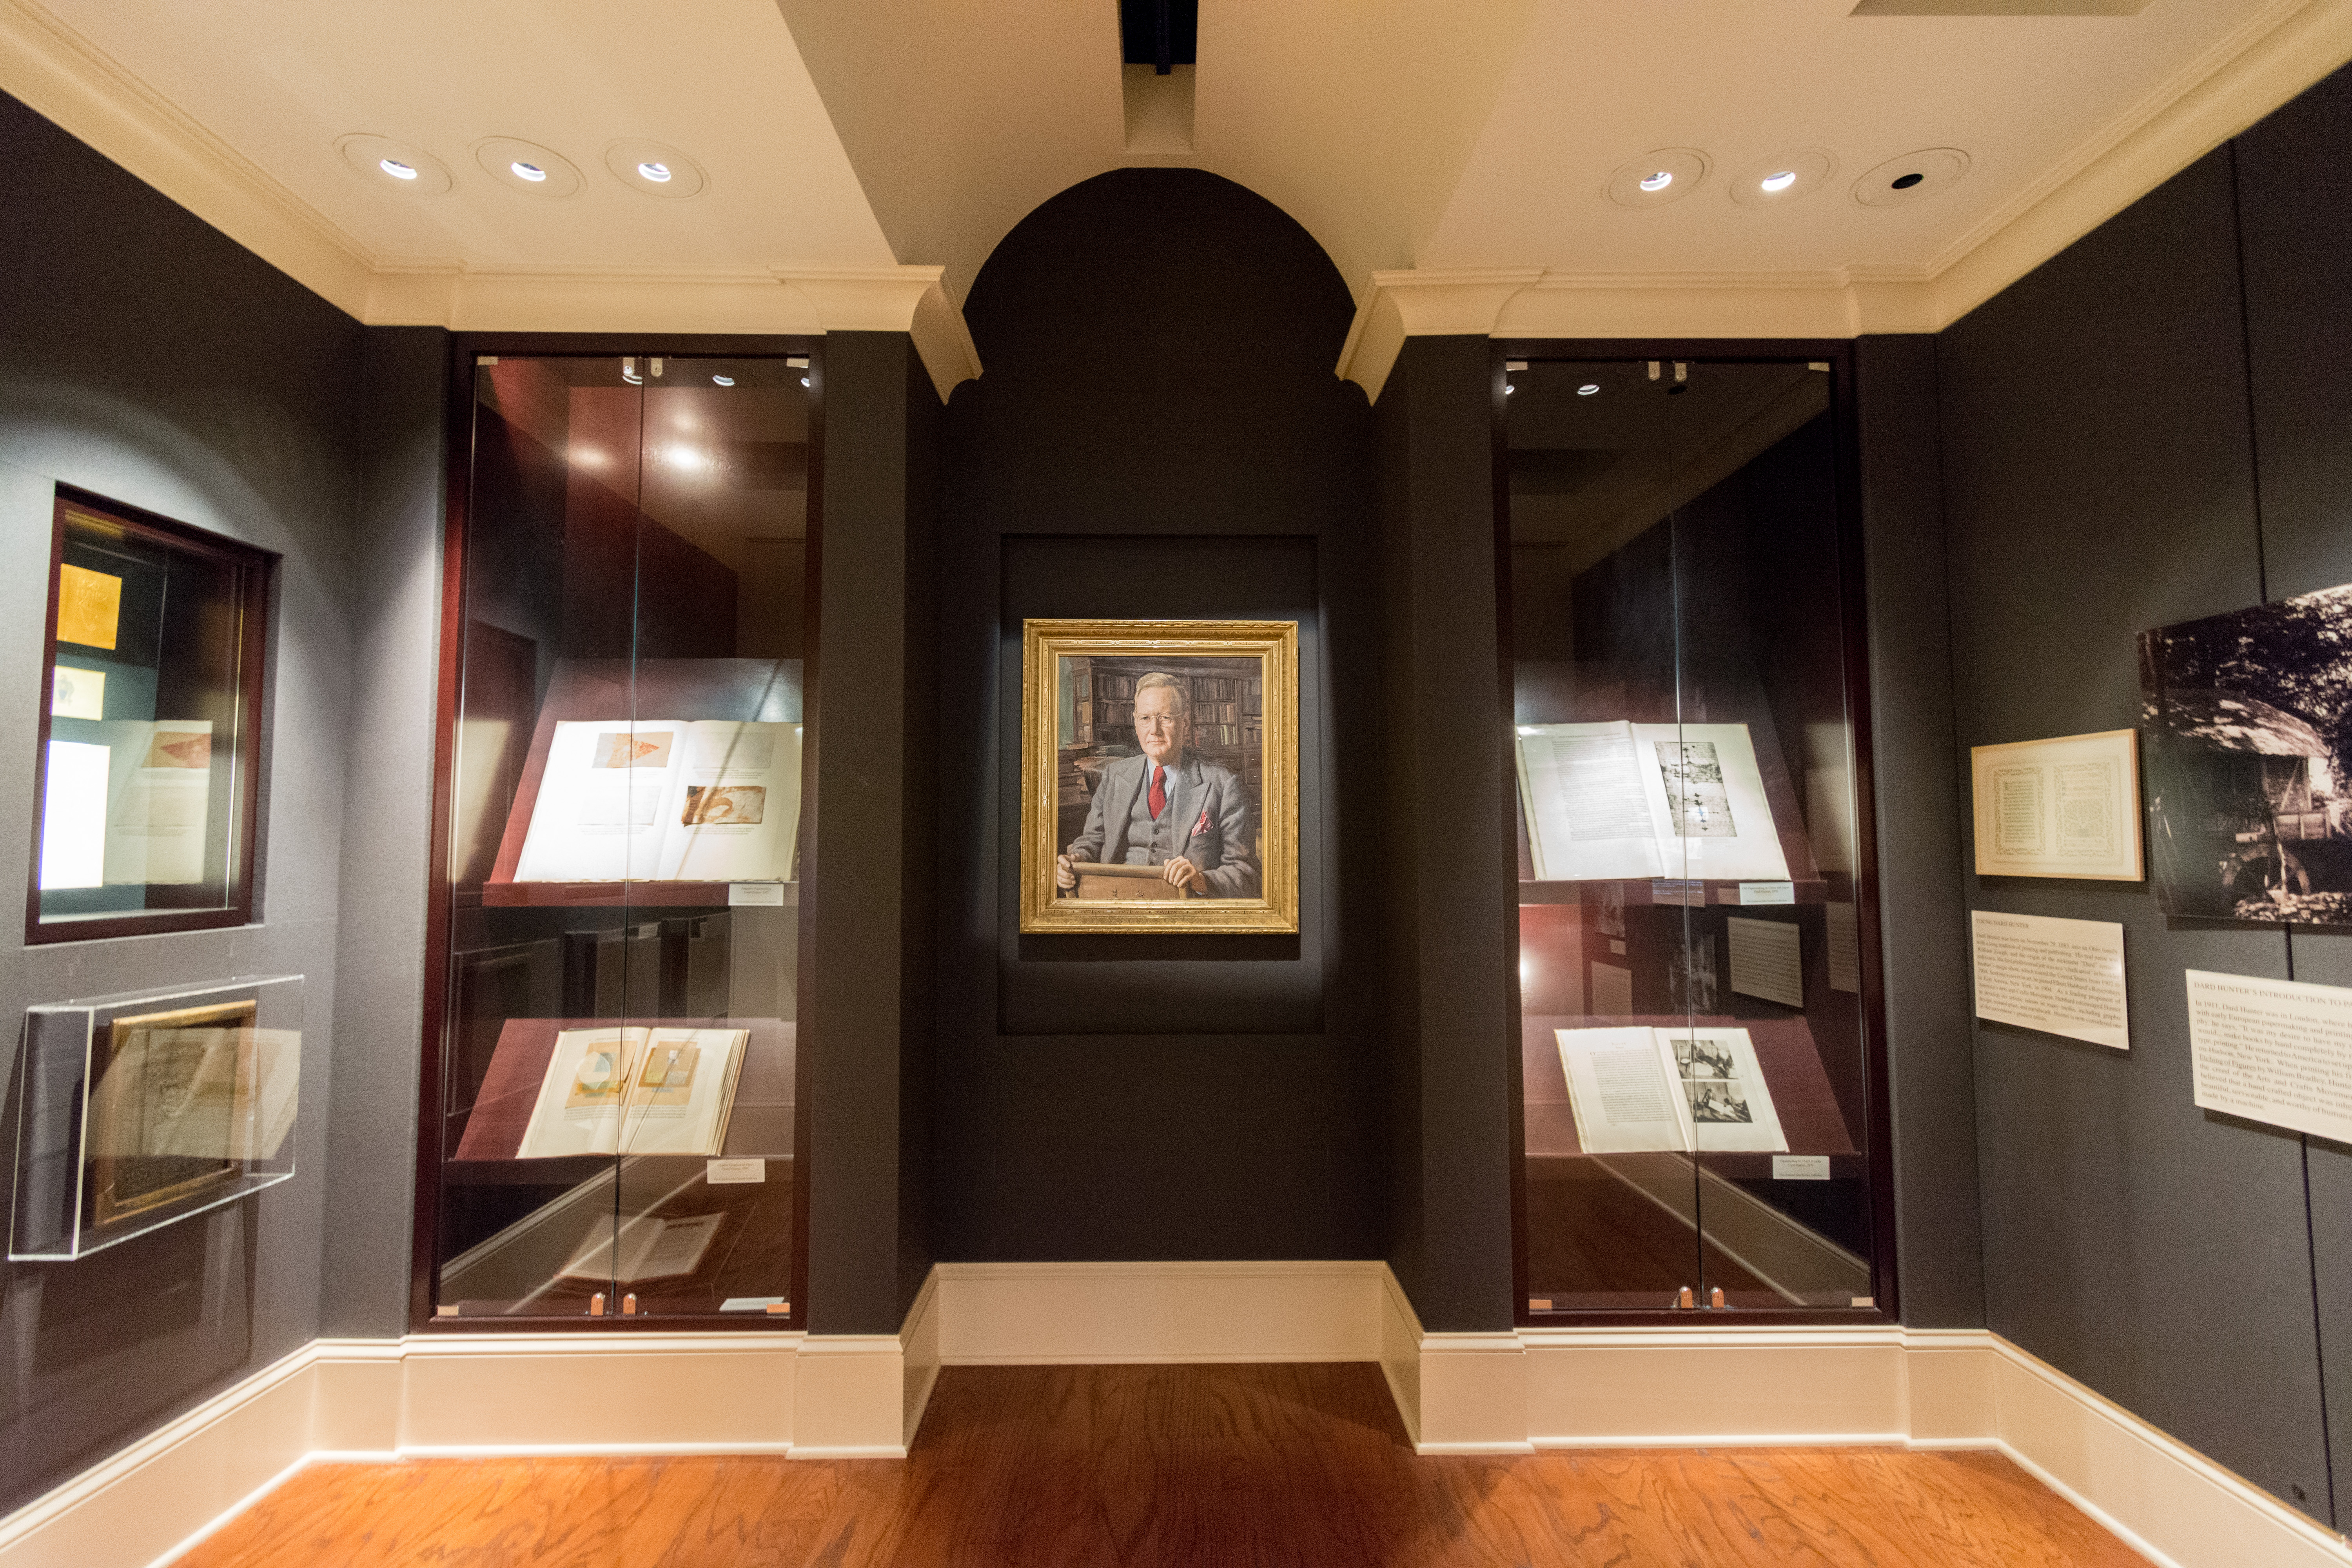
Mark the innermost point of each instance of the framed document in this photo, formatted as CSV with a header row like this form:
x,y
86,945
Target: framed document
x,y
2061,808
1160,776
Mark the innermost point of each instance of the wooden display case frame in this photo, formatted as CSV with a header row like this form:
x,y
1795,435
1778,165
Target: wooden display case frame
x,y
441,893
1878,1110
257,571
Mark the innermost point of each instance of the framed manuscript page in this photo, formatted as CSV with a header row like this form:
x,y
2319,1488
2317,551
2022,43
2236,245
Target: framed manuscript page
x,y
1160,776
2062,807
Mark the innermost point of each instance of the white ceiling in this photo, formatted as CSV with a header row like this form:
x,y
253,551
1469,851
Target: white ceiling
x,y
279,81
1434,134
1595,85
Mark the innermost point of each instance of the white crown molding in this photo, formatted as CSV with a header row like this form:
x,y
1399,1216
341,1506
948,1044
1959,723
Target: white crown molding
x,y
69,80
1411,303
2277,54
54,69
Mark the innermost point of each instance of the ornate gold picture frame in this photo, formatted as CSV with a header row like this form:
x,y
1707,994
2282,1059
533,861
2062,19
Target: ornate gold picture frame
x,y
1160,776
169,1118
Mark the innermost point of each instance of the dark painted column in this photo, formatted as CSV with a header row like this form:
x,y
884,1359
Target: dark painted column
x,y
1449,889
396,603
1922,906
865,871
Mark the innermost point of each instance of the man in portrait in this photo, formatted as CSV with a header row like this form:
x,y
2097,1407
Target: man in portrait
x,y
1169,807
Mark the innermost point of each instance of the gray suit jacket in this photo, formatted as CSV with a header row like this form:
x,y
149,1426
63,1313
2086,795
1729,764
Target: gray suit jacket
x,y
1211,812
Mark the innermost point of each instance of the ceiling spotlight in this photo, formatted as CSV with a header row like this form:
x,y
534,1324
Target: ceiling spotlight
x,y
1780,182
1588,389
1654,178
803,381
723,380
1508,389
531,171
412,171
657,173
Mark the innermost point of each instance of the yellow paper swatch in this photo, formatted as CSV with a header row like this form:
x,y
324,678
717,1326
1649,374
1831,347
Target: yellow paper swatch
x,y
90,603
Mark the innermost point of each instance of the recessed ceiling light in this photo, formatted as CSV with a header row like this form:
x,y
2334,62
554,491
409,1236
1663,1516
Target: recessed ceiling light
x,y
803,381
724,379
527,167
1787,175
1588,389
654,168
1508,389
1664,174
397,164
1913,176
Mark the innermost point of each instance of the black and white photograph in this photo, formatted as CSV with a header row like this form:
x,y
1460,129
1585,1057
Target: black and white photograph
x,y
2248,719
1717,1101
1703,1059
1696,796
1692,986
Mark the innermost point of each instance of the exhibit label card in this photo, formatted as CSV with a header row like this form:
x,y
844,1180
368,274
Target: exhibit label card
x,y
2061,808
1767,960
2277,1051
2062,977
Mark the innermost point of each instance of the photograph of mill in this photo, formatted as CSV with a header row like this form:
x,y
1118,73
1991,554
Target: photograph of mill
x,y
2249,735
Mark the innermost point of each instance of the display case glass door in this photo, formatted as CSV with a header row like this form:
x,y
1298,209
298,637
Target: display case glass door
x,y
1695,1081
618,1083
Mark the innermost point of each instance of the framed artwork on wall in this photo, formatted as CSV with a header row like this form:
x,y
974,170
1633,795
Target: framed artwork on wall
x,y
1160,776
2249,717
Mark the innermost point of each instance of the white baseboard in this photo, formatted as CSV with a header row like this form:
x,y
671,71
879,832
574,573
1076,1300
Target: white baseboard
x,y
842,1396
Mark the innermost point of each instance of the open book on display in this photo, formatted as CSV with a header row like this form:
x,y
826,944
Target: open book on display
x,y
663,799
642,1248
1699,1090
1612,800
635,1091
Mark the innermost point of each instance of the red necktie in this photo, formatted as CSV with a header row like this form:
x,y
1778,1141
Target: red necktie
x,y
1158,798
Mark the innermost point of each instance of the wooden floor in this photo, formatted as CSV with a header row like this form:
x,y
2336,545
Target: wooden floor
x,y
1173,1465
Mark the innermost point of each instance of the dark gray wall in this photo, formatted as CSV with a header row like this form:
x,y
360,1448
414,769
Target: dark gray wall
x,y
1452,923
2145,431
864,996
146,357
387,803
2295,221
1159,432
1923,922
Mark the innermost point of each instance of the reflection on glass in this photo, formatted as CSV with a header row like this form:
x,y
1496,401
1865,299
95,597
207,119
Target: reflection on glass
x,y
626,835
1695,1079
153,676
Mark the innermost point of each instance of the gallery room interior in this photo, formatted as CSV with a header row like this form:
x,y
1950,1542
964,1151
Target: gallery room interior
x,y
1134,781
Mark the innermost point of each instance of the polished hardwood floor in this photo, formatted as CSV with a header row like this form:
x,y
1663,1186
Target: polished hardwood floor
x,y
1294,1466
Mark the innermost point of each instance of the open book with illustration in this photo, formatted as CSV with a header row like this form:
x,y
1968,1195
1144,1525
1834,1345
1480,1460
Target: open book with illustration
x,y
643,1248
663,799
1610,800
1685,1089
634,1089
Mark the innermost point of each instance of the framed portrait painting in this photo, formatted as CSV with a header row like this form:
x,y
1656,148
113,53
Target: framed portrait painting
x,y
1160,776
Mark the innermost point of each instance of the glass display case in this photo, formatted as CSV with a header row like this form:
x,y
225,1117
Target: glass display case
x,y
142,1108
1699,1066
153,674
611,1111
